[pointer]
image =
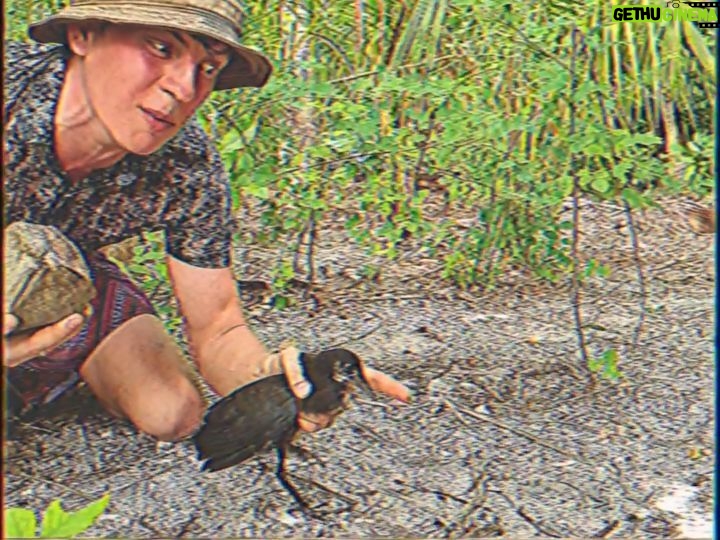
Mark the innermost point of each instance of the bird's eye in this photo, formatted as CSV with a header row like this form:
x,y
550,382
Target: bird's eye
x,y
342,375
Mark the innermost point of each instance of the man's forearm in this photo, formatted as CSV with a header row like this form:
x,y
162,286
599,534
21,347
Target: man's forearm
x,y
232,357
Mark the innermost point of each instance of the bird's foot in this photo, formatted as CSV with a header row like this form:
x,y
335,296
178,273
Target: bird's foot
x,y
317,512
306,454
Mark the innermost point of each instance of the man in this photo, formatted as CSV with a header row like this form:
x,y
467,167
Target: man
x,y
100,143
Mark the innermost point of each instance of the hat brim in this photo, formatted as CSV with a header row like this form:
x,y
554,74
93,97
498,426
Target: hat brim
x,y
247,67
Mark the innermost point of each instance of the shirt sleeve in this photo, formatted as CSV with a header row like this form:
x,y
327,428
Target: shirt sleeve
x,y
201,235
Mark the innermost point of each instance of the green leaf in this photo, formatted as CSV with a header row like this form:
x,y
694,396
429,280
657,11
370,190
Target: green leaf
x,y
54,517
632,197
60,524
352,221
595,149
244,162
138,269
261,192
646,139
565,186
601,184
230,142
19,523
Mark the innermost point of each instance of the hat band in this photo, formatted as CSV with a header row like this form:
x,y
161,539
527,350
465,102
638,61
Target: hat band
x,y
231,15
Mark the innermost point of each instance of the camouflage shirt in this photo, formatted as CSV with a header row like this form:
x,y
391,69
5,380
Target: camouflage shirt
x,y
181,189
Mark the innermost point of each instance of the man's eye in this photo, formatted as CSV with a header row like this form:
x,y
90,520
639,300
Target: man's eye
x,y
209,70
161,48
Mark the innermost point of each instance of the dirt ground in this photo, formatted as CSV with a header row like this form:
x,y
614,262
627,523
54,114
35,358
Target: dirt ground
x,y
506,436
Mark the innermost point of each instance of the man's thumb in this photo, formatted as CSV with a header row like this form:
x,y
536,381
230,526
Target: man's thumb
x,y
10,322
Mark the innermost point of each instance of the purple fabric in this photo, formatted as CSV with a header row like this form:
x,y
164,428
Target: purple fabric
x,y
44,378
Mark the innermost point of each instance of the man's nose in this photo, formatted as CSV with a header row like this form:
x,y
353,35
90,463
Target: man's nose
x,y
179,80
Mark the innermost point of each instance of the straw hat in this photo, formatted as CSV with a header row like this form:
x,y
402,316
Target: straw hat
x,y
217,19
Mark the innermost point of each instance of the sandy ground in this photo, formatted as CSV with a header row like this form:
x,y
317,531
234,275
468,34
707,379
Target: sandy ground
x,y
507,435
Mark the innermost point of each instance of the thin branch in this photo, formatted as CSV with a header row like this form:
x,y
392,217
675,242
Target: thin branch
x,y
575,293
311,241
298,248
640,274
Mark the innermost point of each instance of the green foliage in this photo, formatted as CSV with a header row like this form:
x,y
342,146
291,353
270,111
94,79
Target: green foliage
x,y
149,269
369,96
56,522
606,365
490,119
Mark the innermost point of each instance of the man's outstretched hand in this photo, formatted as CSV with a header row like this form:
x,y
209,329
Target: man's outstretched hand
x,y
378,381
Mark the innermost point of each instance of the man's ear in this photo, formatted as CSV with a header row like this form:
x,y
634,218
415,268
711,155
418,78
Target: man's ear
x,y
79,36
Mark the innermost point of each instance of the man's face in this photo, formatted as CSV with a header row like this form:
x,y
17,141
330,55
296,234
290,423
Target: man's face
x,y
144,83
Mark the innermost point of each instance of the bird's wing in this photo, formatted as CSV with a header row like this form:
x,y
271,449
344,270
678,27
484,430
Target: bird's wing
x,y
246,422
326,399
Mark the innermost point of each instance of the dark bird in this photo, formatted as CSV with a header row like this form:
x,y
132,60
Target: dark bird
x,y
263,414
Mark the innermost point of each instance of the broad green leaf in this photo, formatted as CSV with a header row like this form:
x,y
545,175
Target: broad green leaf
x,y
19,523
261,192
230,142
632,197
601,184
54,517
59,524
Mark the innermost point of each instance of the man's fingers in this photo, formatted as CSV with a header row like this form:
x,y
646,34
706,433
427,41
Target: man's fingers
x,y
21,348
10,322
385,384
290,360
314,422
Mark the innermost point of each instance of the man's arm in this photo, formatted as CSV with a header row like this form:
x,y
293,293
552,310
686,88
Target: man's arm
x,y
227,353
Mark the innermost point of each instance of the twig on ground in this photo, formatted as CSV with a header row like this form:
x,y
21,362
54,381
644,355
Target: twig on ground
x,y
556,404
145,478
532,521
368,432
143,522
53,483
517,431
350,501
364,334
542,529
609,531
385,406
369,332
478,491
184,529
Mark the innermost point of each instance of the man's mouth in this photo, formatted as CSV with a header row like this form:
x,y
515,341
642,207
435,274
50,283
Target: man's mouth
x,y
161,120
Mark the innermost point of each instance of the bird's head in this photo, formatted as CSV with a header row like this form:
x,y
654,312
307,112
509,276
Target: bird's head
x,y
341,366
